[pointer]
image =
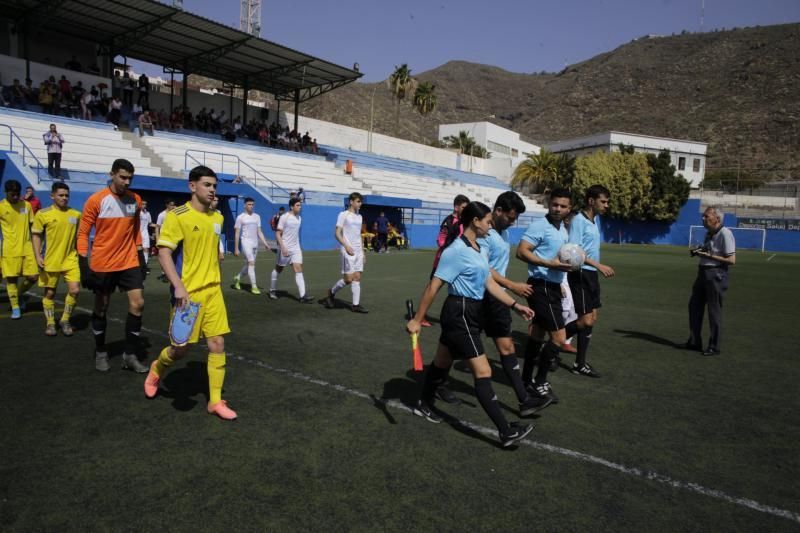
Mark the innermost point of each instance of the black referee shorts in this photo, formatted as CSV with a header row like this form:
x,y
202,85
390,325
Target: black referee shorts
x,y
585,287
461,321
546,304
496,317
124,280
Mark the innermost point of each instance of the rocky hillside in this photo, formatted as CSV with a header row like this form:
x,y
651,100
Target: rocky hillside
x,y
738,90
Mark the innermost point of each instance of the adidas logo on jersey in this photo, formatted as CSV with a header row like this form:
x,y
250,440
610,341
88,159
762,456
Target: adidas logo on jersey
x,y
196,229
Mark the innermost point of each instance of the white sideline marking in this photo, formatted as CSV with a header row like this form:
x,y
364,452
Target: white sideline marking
x,y
770,257
588,458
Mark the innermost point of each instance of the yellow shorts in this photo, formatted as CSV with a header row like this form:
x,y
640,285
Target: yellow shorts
x,y
50,279
13,267
212,319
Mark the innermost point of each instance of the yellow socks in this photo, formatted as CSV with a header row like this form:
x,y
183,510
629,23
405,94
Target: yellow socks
x,y
49,307
69,305
216,376
163,362
13,294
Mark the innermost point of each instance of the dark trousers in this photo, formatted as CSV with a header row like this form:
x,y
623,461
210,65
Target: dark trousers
x,y
708,291
127,98
382,238
54,160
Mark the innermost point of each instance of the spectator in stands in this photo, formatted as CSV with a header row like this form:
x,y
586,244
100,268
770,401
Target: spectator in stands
x,y
78,91
188,119
127,89
46,94
314,147
16,95
30,197
213,123
144,90
102,105
163,119
31,93
145,124
54,142
237,126
227,133
263,136
73,64
176,119
383,233
87,105
65,87
115,111
301,195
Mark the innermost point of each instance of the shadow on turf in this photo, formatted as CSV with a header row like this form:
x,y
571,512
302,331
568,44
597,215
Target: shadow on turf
x,y
649,338
181,385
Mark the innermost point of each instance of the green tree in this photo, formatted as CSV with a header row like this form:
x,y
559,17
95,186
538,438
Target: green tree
x,y
626,148
425,101
544,171
466,144
400,83
669,192
627,176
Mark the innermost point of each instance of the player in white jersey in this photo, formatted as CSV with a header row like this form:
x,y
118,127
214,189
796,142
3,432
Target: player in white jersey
x,y
247,229
348,233
168,206
289,253
145,221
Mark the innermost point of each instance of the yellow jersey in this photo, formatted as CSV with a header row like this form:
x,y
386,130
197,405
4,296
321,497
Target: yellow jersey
x,y
60,230
193,238
15,223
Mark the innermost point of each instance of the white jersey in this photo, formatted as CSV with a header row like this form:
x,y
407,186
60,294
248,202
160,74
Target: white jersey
x,y
289,224
161,216
144,227
351,229
248,225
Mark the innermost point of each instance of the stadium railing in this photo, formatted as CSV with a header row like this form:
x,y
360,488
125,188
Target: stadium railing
x,y
28,157
244,170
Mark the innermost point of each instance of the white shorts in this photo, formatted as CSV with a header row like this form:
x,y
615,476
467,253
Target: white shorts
x,y
295,257
352,263
250,250
567,305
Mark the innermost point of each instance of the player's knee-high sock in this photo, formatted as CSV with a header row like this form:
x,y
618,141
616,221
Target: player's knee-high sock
x,y
548,353
49,308
434,378
99,332
571,329
511,368
69,306
133,327
216,376
356,288
532,350
488,400
301,283
163,362
251,274
584,336
339,285
273,280
13,294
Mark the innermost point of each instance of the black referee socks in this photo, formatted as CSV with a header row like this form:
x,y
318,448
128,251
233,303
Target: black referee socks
x,y
584,336
488,400
511,368
532,350
434,378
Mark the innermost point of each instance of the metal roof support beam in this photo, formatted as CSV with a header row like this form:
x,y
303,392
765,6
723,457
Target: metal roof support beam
x,y
296,108
120,44
42,12
246,89
277,71
210,56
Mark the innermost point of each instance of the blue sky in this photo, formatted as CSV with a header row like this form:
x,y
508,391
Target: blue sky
x,y
520,36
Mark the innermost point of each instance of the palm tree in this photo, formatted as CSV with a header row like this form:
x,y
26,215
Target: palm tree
x,y
539,172
425,101
400,83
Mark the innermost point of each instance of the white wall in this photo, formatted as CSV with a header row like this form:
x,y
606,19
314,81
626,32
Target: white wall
x,y
14,67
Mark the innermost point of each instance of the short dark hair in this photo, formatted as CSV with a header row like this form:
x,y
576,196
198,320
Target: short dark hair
x,y
13,186
474,210
58,185
248,199
121,164
508,201
355,196
169,201
561,192
282,208
294,201
199,171
460,199
596,191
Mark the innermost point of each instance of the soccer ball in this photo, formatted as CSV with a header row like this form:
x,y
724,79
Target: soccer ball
x,y
573,255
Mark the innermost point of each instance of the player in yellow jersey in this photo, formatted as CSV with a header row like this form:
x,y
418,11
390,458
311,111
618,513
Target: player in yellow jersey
x,y
16,217
57,225
188,250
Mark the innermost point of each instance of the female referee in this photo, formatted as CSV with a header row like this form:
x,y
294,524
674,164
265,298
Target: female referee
x,y
465,268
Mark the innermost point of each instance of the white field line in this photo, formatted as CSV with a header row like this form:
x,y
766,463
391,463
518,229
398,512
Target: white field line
x,y
585,457
770,257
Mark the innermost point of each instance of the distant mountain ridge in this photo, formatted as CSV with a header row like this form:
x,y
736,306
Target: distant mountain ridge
x,y
738,90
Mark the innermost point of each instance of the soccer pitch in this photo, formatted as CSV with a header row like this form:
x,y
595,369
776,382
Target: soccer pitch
x,y
666,440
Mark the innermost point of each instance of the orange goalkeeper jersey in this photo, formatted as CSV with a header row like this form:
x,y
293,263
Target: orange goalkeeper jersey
x,y
116,236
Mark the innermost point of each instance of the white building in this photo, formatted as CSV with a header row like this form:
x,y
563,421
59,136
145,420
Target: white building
x,y
689,157
506,149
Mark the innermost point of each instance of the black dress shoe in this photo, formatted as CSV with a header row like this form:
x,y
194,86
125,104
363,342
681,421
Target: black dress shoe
x,y
693,347
711,352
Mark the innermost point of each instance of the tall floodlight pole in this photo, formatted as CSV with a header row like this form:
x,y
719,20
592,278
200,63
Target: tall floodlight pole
x,y
177,4
702,13
250,17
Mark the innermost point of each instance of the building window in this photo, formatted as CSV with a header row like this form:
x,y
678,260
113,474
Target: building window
x,y
681,163
695,165
514,152
498,148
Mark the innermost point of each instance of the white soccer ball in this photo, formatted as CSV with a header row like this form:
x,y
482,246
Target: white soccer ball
x,y
573,255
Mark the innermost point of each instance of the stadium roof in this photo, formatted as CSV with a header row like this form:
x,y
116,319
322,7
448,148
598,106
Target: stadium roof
x,y
150,31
